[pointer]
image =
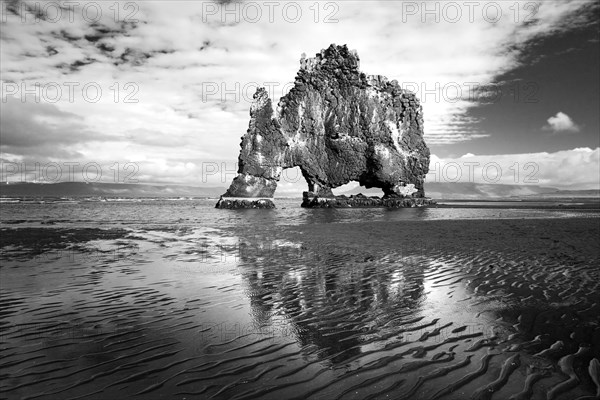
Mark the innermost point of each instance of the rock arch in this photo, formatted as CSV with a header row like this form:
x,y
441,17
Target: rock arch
x,y
338,125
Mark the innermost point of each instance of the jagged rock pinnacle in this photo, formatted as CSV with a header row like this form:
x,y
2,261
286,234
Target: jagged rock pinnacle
x,y
338,125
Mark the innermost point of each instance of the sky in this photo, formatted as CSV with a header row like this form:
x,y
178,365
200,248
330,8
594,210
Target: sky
x,y
159,91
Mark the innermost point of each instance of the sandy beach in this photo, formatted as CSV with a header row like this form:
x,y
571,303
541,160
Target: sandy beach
x,y
240,200
415,309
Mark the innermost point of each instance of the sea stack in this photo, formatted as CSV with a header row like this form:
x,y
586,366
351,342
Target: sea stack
x,y
338,125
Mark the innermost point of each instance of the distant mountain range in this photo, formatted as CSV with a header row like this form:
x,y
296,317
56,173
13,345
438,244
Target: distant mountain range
x,y
95,189
436,190
480,191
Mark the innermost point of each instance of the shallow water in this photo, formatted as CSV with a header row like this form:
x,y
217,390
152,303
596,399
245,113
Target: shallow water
x,y
159,299
158,212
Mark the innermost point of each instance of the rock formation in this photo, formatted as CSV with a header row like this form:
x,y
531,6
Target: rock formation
x,y
338,125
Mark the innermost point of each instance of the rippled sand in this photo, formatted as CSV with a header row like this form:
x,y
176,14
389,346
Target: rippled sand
x,y
481,309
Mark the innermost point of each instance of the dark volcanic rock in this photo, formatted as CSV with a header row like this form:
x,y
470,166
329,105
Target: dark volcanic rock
x,y
242,203
310,200
338,125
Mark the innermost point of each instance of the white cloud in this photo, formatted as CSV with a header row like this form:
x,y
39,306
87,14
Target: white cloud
x,y
577,168
174,54
561,122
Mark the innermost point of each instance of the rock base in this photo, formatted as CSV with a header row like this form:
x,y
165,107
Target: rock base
x,y
309,200
338,125
237,203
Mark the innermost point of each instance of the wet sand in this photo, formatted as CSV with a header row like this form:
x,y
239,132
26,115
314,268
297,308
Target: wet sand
x,y
454,309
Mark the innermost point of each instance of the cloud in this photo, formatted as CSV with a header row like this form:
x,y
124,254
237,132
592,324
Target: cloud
x,y
158,63
561,122
43,130
577,168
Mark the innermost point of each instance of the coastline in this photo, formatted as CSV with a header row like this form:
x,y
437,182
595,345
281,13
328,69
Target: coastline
x,y
350,301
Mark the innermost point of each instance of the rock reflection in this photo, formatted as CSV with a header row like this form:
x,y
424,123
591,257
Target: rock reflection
x,y
328,298
338,311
